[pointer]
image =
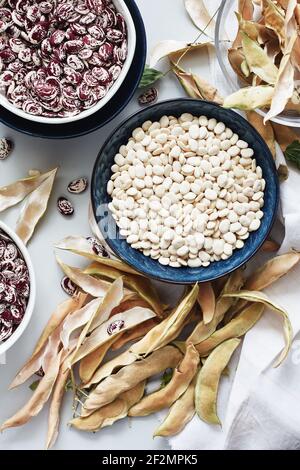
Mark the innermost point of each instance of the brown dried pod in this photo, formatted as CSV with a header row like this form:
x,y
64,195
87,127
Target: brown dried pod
x,y
109,414
34,362
207,301
166,396
236,328
37,401
206,391
55,405
129,376
202,331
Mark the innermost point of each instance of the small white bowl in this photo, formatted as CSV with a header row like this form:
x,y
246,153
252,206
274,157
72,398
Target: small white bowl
x,y
4,346
131,42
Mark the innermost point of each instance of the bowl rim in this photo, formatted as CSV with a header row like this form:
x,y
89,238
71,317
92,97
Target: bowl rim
x,y
170,280
276,119
131,42
6,345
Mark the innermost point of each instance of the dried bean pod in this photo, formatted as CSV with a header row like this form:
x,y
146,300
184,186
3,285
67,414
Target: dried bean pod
x,y
180,381
181,412
129,376
206,390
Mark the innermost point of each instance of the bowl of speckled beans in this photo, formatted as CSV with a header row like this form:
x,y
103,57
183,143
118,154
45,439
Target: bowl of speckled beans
x,y
63,61
17,288
185,191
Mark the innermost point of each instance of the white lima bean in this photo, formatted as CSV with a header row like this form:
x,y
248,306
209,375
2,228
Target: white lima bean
x,y
186,191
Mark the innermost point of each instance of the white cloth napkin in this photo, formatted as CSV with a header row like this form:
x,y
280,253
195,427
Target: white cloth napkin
x,y
259,405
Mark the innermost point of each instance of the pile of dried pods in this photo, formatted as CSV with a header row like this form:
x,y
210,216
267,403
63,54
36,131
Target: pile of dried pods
x,y
265,54
116,307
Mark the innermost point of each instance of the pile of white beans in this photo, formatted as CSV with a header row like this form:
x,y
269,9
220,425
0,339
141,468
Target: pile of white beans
x,y
186,191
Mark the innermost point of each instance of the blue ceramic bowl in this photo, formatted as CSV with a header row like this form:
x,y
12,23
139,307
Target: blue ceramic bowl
x,y
136,259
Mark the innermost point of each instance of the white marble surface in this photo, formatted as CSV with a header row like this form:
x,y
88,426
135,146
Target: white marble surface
x,y
164,19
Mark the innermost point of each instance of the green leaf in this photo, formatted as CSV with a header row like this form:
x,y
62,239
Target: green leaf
x,y
292,153
34,385
69,386
150,76
166,378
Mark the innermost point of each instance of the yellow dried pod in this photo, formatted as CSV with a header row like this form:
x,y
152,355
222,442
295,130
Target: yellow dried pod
x,y
200,15
248,27
194,85
258,61
235,329
81,246
77,320
236,59
40,396
250,98
109,414
35,207
206,391
207,301
55,405
110,328
165,397
14,193
111,366
202,331
129,376
181,412
168,329
90,285
137,284
34,362
137,332
270,246
285,85
272,271
129,357
246,9
100,315
90,363
254,296
64,309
